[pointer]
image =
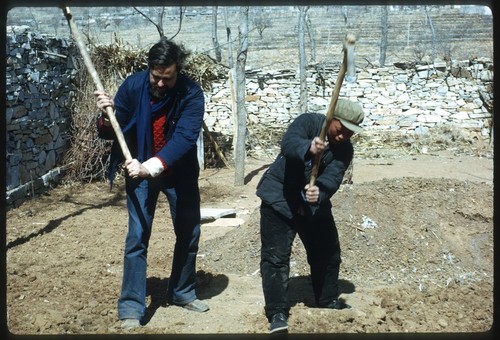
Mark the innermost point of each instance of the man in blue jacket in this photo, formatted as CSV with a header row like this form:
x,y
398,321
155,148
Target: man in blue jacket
x,y
291,206
160,111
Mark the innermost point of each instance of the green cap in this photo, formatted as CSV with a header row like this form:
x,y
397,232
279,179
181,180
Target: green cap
x,y
350,114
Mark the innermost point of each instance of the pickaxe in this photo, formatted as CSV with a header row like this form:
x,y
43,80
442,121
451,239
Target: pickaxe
x,y
349,67
91,69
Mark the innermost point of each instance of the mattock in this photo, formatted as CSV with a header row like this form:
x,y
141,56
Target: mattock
x,y
349,67
91,69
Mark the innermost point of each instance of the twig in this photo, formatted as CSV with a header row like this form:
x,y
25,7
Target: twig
x,y
55,54
216,146
360,229
432,231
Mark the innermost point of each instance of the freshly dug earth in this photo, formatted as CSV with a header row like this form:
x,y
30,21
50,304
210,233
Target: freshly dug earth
x,y
417,246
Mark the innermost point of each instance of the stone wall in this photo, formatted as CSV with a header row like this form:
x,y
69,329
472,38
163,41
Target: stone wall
x,y
404,98
40,87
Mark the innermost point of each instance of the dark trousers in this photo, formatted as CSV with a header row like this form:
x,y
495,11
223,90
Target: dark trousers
x,y
184,201
320,238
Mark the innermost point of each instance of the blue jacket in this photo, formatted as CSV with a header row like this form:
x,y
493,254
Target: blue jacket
x,y
186,107
282,185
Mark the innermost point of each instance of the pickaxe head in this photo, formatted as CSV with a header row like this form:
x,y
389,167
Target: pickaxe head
x,y
349,41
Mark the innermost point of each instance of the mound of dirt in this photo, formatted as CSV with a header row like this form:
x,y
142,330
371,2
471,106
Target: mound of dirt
x,y
423,246
428,239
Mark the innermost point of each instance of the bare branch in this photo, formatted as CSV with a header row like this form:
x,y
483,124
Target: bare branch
x,y
181,15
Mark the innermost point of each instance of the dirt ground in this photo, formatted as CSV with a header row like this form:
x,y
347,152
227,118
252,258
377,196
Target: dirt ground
x,y
417,246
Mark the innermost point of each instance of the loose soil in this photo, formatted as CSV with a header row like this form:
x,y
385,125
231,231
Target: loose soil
x,y
417,246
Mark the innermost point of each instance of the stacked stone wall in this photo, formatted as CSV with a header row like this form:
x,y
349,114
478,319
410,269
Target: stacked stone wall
x,y
402,98
40,89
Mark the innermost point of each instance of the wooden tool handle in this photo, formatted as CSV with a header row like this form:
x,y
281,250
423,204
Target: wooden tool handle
x,y
91,69
348,44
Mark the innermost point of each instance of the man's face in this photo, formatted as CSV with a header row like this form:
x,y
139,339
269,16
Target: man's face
x,y
337,133
162,79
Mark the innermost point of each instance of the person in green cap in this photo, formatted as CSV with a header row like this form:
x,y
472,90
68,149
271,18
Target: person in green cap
x,y
291,206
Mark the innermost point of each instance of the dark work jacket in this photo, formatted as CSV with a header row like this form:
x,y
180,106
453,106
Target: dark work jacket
x,y
185,105
282,185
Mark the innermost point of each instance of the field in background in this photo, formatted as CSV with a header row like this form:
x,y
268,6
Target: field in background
x,y
453,33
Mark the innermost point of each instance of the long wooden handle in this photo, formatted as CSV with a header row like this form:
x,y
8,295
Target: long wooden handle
x,y
91,69
348,44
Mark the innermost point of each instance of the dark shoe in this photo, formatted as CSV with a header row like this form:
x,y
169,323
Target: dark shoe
x,y
279,324
196,306
128,324
336,304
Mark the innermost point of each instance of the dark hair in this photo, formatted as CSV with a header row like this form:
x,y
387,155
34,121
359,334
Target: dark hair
x,y
165,53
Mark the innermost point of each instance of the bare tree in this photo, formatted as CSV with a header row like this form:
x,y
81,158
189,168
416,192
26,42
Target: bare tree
x,y
408,31
312,43
215,40
241,116
261,21
35,22
302,58
231,75
159,21
344,15
229,40
383,38
433,32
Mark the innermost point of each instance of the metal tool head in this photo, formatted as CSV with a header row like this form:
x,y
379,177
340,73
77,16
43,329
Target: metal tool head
x,y
349,42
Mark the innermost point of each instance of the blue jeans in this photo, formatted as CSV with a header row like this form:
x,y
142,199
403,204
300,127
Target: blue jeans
x,y
184,199
320,239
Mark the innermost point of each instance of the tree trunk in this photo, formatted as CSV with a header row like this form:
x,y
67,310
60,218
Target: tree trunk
x,y
239,154
230,62
215,40
231,77
312,43
383,39
433,32
302,59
